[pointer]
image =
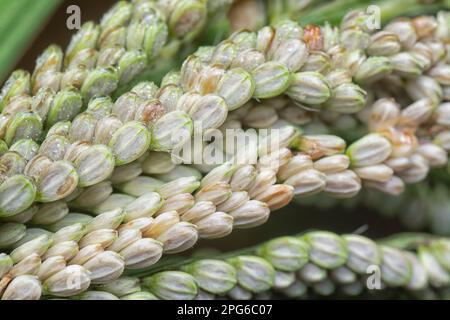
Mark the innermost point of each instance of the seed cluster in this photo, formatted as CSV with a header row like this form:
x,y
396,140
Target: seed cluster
x,y
100,194
318,263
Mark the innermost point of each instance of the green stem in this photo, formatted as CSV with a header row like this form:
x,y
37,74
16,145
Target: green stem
x,y
20,24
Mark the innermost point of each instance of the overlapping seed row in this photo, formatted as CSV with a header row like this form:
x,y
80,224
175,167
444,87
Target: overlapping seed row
x,y
196,74
129,36
215,191
319,263
208,88
177,96
384,159
171,231
98,59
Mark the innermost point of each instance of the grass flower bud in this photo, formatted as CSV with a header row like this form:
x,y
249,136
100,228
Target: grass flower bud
x,y
236,87
424,87
419,277
437,275
198,211
310,88
51,266
221,173
442,114
292,53
239,293
121,287
106,220
50,213
276,196
395,268
332,164
157,163
179,237
99,82
373,69
105,267
251,214
126,173
57,182
181,185
317,61
140,185
311,273
126,238
179,203
68,282
345,184
141,295
144,206
171,131
406,64
283,279
243,178
270,79
114,201
215,225
10,233
70,219
16,84
285,253
70,233
30,265
417,171
298,162
327,250
343,275
416,114
208,112
93,195
129,142
394,186
26,148
213,276
104,237
435,155
6,263
362,253
404,29
369,150
217,193
171,285
105,128
263,180
383,43
346,98
38,245
307,182
31,234
253,273
440,73
142,253
66,249
96,295
85,254
318,146
378,172
23,287
260,116
274,160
